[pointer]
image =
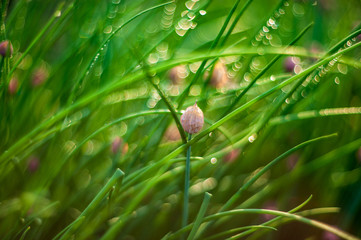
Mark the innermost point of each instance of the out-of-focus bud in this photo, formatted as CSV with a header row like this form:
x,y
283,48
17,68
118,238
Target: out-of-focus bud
x,y
117,142
292,161
13,85
33,164
177,74
289,64
6,49
39,76
172,134
232,156
125,148
192,119
118,145
271,205
329,236
219,78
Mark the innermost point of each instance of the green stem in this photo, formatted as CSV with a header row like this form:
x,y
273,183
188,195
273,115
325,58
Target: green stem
x,y
186,185
200,216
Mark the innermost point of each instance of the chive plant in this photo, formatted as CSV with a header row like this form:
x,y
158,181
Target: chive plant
x,y
93,136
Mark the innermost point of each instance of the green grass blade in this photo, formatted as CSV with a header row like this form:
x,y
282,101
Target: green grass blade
x,y
104,43
238,194
56,15
201,213
264,70
328,112
117,177
24,233
235,230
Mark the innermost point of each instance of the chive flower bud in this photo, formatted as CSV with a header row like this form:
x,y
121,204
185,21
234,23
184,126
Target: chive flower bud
x,y
13,86
219,78
178,74
192,119
6,49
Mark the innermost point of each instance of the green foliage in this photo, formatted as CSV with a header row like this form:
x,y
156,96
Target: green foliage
x,y
91,146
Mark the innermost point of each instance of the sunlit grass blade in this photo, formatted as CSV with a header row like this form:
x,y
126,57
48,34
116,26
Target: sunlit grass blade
x,y
199,72
264,70
237,195
250,231
328,112
245,186
24,233
104,43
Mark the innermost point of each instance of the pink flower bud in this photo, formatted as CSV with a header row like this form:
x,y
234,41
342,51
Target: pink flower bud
x,y
192,119
177,74
13,86
270,205
219,77
39,76
172,134
292,161
359,155
118,145
232,156
117,142
33,164
289,64
6,49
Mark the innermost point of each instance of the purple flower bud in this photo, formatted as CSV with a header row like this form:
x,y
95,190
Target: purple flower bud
x,y
289,64
359,155
172,134
118,145
13,86
192,119
219,77
292,161
39,76
329,236
117,142
232,156
270,205
177,74
6,49
33,164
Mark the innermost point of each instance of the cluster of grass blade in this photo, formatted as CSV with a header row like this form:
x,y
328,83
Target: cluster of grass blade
x,y
86,152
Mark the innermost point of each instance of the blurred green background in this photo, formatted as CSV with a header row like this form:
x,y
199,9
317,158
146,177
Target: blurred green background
x,y
71,81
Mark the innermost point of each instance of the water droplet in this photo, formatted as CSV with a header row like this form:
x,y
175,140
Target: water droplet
x,y
108,29
213,160
190,5
342,68
252,138
170,7
337,80
184,13
202,12
57,13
